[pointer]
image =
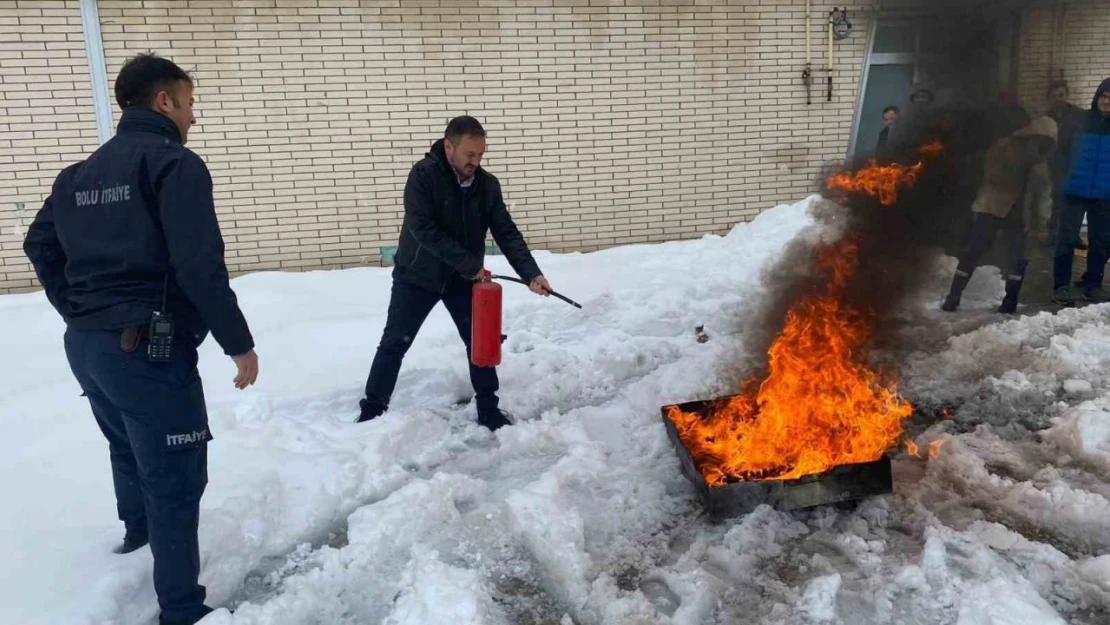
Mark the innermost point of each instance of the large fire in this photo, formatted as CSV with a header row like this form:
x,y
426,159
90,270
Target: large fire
x,y
819,405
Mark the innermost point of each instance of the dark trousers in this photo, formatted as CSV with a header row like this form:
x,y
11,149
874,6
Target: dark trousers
x,y
1058,203
154,418
1068,237
984,230
409,306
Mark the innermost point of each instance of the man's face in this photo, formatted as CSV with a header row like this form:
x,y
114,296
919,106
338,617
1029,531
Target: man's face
x,y
889,118
178,106
467,155
1057,97
1104,103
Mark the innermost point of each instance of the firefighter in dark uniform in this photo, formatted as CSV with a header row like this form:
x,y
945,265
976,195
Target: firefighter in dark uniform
x,y
129,251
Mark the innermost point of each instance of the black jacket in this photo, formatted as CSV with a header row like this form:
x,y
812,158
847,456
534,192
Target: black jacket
x,y
443,238
116,225
1070,119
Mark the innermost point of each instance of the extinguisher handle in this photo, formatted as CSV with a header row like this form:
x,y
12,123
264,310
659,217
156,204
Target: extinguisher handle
x,y
519,281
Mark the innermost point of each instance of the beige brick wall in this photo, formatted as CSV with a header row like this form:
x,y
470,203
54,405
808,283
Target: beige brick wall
x,y
1082,51
610,121
46,117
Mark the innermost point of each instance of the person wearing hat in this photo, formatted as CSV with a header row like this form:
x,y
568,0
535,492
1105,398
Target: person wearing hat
x,y
1086,193
1015,198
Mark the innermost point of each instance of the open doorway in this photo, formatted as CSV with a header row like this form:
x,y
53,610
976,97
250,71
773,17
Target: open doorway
x,y
956,59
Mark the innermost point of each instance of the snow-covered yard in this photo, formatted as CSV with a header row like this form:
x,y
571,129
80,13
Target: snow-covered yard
x,y
577,514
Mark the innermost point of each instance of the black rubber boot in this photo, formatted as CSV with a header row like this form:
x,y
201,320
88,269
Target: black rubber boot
x,y
133,540
1013,288
205,611
494,419
1010,302
952,300
369,410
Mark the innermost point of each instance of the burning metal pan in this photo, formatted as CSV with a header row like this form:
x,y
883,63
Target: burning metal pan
x,y
845,483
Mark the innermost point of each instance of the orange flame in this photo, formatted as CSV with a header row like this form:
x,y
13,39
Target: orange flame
x,y
884,181
819,406
931,150
934,448
911,448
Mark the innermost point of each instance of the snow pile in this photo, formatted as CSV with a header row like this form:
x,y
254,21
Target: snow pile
x,y
1084,433
578,514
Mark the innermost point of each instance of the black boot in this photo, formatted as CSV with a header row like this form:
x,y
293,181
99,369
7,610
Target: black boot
x,y
369,410
133,540
494,419
952,300
1010,302
1013,287
205,611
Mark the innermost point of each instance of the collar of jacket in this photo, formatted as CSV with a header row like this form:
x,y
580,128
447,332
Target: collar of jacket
x,y
139,119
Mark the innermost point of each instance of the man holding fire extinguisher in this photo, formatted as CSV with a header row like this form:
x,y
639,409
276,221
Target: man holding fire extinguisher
x,y
450,205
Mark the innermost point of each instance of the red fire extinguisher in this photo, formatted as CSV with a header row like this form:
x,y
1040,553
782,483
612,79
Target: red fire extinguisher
x,y
485,324
485,320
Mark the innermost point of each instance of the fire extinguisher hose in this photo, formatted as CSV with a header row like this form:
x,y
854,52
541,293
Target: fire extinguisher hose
x,y
519,281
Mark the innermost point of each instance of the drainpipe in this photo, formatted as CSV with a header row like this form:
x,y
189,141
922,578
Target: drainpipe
x,y
1052,42
98,74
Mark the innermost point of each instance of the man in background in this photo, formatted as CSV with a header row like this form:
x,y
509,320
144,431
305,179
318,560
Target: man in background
x,y
1086,192
1014,198
1070,119
890,115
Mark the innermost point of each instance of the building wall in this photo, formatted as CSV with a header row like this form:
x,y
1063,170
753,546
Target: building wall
x,y
46,117
1082,55
610,121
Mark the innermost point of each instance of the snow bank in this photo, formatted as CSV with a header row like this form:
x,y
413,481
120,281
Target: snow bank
x,y
577,514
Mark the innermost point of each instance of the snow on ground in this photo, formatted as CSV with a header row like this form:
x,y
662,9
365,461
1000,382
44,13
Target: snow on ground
x,y
578,514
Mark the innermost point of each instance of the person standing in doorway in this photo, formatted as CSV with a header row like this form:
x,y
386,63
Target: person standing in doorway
x,y
1014,197
890,115
129,251
1086,193
451,203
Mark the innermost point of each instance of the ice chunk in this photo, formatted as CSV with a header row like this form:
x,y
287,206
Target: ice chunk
x,y
819,599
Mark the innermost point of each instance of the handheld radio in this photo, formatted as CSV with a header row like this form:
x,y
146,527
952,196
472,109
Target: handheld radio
x,y
161,332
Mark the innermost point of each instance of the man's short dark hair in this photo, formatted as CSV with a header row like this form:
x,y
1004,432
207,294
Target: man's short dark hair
x,y
891,109
1058,84
144,76
463,126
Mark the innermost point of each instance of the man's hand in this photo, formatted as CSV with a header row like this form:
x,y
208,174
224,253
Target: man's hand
x,y
484,274
540,286
248,369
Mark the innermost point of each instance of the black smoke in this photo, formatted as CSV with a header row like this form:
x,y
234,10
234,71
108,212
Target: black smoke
x,y
899,245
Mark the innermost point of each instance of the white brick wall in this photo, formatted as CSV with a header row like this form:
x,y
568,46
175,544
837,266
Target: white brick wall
x,y
1082,52
46,117
610,121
